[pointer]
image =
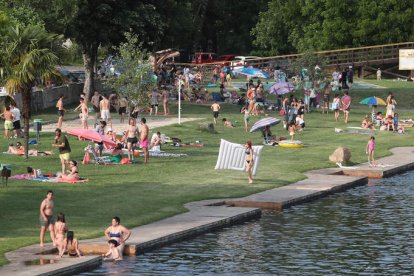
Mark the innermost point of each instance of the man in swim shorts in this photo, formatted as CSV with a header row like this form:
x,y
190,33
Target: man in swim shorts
x,y
62,143
46,218
346,105
61,111
104,107
84,113
144,139
216,109
8,117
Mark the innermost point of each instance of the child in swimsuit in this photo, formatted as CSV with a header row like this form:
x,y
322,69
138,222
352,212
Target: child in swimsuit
x,y
60,230
292,129
370,150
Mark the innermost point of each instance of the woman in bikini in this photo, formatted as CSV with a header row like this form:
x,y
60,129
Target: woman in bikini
x,y
131,135
73,173
60,230
249,160
71,245
118,233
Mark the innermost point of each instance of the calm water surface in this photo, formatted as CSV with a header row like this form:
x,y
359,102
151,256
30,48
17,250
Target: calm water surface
x,y
365,231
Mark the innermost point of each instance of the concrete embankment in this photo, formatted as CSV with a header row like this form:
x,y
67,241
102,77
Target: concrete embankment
x,y
206,216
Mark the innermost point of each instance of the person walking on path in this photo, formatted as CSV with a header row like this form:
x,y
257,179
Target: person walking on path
x,y
62,143
216,109
131,136
104,106
8,117
379,74
143,140
249,160
346,105
370,151
84,113
16,120
46,218
61,111
95,105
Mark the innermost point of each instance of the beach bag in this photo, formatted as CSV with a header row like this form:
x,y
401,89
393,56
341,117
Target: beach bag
x,y
282,112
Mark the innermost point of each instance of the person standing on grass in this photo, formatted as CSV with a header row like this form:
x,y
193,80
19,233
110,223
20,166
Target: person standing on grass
x,y
131,136
248,150
61,111
62,143
123,106
144,143
165,96
216,109
246,117
16,120
336,104
346,105
46,218
370,151
84,113
8,117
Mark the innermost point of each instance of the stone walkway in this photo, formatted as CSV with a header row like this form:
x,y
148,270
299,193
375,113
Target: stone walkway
x,y
208,215
152,122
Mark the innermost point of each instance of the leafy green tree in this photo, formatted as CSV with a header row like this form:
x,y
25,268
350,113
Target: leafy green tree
x,y
30,58
136,77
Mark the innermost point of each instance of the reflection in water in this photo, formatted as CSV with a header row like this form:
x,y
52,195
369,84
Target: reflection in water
x,y
40,261
364,231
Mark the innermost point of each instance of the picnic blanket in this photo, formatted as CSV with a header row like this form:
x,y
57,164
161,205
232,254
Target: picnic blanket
x,y
47,178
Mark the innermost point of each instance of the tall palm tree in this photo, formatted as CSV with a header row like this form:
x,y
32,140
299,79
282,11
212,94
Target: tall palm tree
x,y
29,59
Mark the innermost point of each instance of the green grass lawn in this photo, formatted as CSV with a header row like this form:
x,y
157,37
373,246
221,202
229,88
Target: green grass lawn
x,y
140,194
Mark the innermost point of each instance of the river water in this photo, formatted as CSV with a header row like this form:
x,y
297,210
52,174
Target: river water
x,y
367,230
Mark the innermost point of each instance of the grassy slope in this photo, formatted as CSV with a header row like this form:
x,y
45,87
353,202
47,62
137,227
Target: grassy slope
x,y
140,194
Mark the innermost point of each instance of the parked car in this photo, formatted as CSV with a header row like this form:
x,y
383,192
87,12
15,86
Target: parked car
x,y
226,59
200,58
240,61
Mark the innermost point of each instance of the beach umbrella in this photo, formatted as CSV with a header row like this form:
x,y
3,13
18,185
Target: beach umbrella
x,y
281,88
92,135
268,121
252,72
373,101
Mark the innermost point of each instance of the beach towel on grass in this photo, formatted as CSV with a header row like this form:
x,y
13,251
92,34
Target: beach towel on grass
x,y
47,178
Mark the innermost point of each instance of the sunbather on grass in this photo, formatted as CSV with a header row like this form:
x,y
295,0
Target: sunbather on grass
x,y
73,173
19,150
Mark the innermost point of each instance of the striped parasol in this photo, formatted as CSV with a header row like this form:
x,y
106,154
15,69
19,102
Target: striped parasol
x,y
269,121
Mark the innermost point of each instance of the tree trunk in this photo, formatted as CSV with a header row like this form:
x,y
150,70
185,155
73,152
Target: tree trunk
x,y
27,101
89,54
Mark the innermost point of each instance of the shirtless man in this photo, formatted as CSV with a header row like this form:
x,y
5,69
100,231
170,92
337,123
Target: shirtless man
x,y
104,107
123,106
216,109
95,104
165,96
46,218
144,143
84,113
8,117
131,137
61,111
